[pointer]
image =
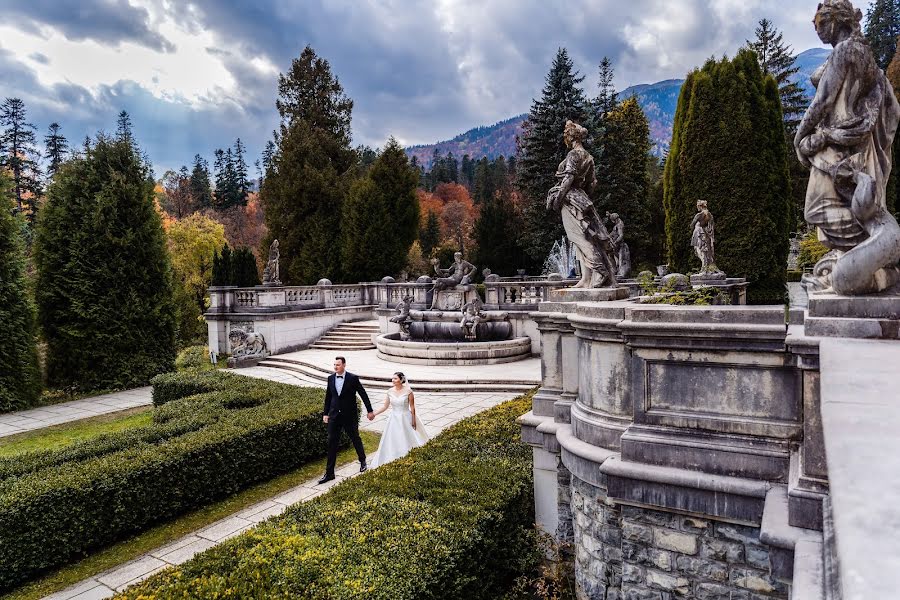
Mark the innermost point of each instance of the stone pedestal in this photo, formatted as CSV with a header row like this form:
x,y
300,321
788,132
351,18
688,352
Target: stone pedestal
x,y
455,298
876,316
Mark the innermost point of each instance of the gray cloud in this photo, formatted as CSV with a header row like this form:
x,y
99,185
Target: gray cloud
x,y
419,70
105,21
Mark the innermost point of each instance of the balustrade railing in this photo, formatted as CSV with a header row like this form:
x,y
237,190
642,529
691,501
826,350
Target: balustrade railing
x,y
505,294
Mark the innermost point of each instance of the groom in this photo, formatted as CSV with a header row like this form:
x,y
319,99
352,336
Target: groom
x,y
340,413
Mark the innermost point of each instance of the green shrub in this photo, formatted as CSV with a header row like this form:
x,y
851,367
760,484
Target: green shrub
x,y
450,520
57,505
811,250
794,276
193,358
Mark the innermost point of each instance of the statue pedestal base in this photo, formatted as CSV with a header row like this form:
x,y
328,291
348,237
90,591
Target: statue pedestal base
x,y
455,298
605,294
734,287
245,361
876,316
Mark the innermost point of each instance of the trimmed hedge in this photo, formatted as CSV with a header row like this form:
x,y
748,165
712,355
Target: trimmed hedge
x,y
228,432
450,520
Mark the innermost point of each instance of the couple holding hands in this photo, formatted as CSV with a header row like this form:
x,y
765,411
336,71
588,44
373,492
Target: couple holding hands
x,y
402,432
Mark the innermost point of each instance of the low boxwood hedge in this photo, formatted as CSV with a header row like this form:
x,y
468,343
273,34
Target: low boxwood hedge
x,y
450,520
216,434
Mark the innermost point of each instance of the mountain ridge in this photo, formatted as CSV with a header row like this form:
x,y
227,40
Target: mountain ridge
x,y
658,100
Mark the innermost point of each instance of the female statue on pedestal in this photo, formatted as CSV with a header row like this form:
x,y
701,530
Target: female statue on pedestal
x,y
580,219
703,239
845,140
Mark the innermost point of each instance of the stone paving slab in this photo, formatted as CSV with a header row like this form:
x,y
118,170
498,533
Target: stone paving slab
x,y
57,414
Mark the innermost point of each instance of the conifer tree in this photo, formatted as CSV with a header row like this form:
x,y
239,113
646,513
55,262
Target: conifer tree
x,y
777,60
623,186
307,182
19,155
739,166
20,381
882,29
124,128
104,287
241,182
498,222
380,217
57,146
430,235
199,184
541,149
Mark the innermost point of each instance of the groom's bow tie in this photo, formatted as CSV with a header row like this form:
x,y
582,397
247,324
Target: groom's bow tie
x,y
339,376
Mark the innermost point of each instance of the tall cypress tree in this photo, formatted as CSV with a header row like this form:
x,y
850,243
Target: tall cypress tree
x,y
882,29
306,185
104,288
623,181
541,150
199,184
19,153
739,166
20,382
57,146
380,217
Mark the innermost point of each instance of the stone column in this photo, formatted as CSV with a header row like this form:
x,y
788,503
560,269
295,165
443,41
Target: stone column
x,y
221,302
551,325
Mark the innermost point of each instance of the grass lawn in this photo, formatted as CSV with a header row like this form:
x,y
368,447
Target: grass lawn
x,y
168,532
58,436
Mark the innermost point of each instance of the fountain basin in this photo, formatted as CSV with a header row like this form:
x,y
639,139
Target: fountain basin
x,y
392,348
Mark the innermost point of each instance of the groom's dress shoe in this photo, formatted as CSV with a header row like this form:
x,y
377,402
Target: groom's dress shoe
x,y
326,479
363,468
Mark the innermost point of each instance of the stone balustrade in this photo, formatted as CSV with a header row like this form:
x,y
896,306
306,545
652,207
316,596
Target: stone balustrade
x,y
519,295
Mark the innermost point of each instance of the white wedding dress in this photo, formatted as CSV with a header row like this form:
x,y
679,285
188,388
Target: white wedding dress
x,y
399,437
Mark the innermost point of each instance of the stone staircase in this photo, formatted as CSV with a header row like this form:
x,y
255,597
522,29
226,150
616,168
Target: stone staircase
x,y
349,336
313,374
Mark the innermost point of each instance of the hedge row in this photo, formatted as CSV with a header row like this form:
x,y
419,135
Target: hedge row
x,y
57,505
450,520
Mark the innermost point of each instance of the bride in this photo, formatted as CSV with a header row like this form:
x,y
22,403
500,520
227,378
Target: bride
x,y
403,431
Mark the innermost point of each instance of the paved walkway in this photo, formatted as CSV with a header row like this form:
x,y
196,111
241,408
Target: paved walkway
x,y
436,410
44,416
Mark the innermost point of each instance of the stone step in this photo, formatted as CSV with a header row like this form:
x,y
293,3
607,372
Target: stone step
x,y
357,326
323,373
424,386
343,335
326,346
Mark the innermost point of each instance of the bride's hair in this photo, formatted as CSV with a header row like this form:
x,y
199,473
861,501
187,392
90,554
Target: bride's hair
x,y
401,376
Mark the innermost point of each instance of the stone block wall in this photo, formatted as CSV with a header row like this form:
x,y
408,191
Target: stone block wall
x,y
633,553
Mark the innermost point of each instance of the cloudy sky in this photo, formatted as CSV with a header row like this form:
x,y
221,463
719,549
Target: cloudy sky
x,y
196,75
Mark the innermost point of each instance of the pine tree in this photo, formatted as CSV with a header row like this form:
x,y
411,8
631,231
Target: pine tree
x,y
57,146
104,287
124,128
430,235
739,166
541,150
498,222
305,189
777,60
200,188
882,29
20,380
380,217
241,182
309,92
19,153
222,168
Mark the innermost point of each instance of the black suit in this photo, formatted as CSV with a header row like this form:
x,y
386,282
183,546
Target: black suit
x,y
342,414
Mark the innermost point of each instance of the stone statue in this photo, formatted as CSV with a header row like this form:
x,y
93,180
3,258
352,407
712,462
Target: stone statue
x,y
471,317
271,272
703,239
845,140
459,273
617,237
583,226
488,276
402,317
247,344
